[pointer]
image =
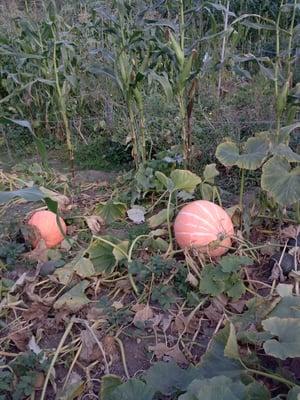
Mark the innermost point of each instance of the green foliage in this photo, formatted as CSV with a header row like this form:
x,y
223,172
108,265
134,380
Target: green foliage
x,y
10,251
111,211
224,277
18,382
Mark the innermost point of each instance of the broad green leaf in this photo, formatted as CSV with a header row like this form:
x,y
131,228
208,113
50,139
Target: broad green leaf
x,y
102,256
108,384
231,263
111,211
214,362
162,178
206,191
210,173
131,390
74,299
227,153
29,194
168,378
285,131
287,331
282,182
185,180
231,349
256,150
160,218
287,307
285,151
294,394
236,289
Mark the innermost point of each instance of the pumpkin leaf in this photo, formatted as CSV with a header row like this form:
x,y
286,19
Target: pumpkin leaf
x,y
256,150
108,384
281,181
288,307
29,194
131,390
82,266
210,173
162,178
294,393
224,388
111,211
185,180
287,331
231,349
102,256
159,218
232,263
285,151
74,299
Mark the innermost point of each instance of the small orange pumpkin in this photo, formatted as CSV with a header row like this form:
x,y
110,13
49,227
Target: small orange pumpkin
x,y
46,224
204,225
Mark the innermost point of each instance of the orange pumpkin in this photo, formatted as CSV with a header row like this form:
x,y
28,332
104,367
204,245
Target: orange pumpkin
x,y
46,224
204,225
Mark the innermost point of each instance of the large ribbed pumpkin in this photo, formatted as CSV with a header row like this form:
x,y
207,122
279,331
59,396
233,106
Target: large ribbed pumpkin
x,y
46,224
205,226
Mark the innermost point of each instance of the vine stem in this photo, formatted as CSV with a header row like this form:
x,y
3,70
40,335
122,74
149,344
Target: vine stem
x,y
242,188
53,361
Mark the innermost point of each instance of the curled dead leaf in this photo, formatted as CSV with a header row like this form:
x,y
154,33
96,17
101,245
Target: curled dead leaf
x,y
90,350
95,223
30,292
20,338
39,253
62,200
144,314
110,348
161,350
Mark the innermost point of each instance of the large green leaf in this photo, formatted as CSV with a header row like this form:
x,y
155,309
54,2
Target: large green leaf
x,y
281,181
185,180
287,331
168,378
102,255
288,307
82,266
111,211
131,390
224,388
108,384
256,150
285,151
231,263
294,394
29,194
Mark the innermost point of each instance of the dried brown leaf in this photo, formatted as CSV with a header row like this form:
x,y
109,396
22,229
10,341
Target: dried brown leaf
x,y
290,232
36,311
95,223
30,292
39,254
143,315
117,305
161,350
110,348
21,338
62,200
90,350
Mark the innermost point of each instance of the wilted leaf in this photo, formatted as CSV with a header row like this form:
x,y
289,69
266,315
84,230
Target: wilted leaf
x,y
73,389
82,266
74,299
159,218
95,223
29,194
287,331
281,181
90,350
210,173
185,180
111,211
136,214
143,315
161,349
21,338
62,200
121,250
284,290
39,253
